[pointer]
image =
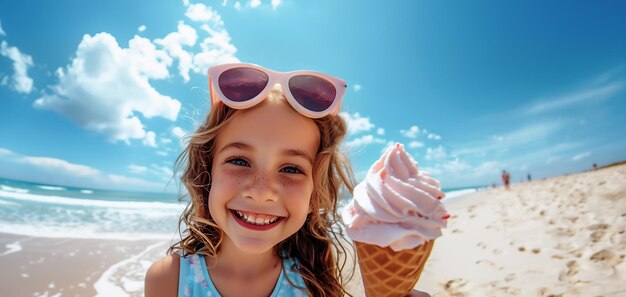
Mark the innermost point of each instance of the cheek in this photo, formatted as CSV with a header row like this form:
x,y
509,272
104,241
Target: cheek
x,y
298,195
221,188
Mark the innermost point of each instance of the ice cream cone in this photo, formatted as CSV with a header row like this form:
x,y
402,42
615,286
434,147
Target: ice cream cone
x,y
387,273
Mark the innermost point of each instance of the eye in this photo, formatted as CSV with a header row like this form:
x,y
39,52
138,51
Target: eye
x,y
238,162
293,169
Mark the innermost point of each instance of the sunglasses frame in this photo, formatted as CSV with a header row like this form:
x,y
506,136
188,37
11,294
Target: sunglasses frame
x,y
275,77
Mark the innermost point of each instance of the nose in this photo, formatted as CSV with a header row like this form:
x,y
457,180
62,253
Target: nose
x,y
261,187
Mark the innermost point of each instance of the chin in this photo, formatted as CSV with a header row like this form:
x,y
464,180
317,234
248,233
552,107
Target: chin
x,y
253,246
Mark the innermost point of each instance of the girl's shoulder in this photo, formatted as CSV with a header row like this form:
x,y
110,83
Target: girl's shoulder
x,y
162,277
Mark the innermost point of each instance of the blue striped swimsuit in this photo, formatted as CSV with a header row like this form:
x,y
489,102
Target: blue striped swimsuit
x,y
194,279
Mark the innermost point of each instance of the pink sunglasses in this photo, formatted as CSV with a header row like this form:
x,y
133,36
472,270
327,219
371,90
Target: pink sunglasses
x,y
311,93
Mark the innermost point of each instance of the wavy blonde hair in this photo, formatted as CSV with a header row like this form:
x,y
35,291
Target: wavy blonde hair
x,y
317,245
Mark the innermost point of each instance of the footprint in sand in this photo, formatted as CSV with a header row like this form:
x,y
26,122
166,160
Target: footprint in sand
x,y
536,251
481,245
599,230
605,255
488,263
570,270
597,235
455,287
521,249
618,238
544,292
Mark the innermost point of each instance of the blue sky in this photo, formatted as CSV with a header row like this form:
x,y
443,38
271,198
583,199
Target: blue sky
x,y
99,94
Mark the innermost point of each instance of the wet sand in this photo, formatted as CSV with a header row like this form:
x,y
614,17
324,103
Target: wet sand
x,y
34,266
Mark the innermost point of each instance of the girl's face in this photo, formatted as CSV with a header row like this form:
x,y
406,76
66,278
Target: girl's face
x,y
262,175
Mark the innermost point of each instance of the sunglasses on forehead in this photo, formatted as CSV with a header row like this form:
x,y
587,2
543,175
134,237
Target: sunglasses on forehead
x,y
311,93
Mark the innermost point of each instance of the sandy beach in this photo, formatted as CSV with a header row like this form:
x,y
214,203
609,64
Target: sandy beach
x,y
34,266
564,236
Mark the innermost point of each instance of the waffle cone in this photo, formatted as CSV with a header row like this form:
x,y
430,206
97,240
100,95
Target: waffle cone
x,y
387,273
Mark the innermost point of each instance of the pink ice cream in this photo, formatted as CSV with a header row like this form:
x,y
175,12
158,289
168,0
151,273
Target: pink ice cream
x,y
395,206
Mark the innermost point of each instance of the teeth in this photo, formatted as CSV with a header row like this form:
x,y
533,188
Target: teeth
x,y
257,220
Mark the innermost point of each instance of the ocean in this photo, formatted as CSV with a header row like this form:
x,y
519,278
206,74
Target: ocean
x,y
66,212
35,209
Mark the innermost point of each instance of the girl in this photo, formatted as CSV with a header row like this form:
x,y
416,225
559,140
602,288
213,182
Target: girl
x,y
264,175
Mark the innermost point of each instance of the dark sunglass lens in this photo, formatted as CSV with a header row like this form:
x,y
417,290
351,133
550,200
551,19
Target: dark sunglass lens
x,y
242,84
312,92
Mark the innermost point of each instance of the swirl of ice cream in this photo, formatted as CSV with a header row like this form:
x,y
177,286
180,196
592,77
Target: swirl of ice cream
x,y
395,206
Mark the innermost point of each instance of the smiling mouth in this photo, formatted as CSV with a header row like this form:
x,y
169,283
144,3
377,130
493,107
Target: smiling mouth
x,y
256,220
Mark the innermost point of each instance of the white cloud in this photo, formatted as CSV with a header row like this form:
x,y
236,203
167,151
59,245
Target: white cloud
x,y
497,138
357,87
149,61
255,3
105,86
162,170
1,30
563,101
202,13
362,141
59,171
411,133
173,43
380,131
237,5
431,170
275,4
137,169
434,136
488,168
216,49
141,28
552,159
356,123
166,140
416,144
61,166
22,83
581,156
608,75
438,153
224,2
521,138
178,132
150,139
121,181
162,153
455,166
5,152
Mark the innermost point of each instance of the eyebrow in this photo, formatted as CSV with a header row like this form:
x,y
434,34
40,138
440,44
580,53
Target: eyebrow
x,y
247,147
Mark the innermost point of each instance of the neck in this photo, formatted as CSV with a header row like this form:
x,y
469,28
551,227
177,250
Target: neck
x,y
233,261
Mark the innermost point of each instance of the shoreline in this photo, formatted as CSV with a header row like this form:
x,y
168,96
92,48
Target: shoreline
x,y
75,267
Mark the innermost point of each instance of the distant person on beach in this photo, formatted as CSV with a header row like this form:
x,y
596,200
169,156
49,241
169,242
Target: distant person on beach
x,y
595,166
528,177
264,174
506,179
